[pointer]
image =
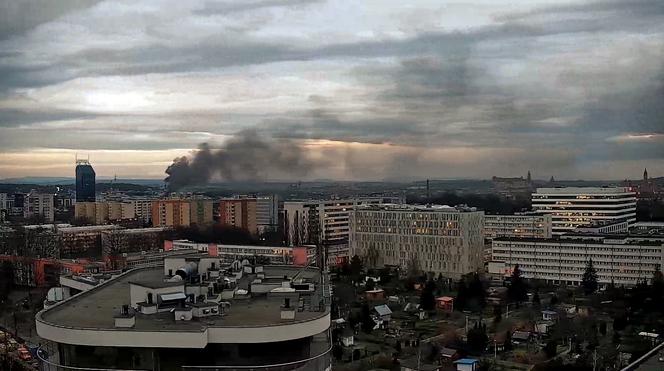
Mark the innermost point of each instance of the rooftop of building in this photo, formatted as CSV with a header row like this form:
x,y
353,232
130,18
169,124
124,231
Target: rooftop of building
x,y
46,226
592,238
88,228
418,208
528,214
345,200
648,225
583,190
98,307
142,230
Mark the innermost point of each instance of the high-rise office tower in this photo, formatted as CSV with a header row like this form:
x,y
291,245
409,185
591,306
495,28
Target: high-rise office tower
x,y
85,181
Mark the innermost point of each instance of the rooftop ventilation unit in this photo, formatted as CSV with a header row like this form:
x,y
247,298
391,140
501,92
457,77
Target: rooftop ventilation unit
x,y
188,270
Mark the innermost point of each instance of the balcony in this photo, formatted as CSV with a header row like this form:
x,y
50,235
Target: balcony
x,y
318,362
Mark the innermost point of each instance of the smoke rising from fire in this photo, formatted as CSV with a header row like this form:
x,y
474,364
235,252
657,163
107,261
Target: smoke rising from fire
x,y
245,157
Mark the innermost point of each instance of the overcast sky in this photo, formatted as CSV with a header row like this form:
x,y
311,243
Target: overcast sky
x,y
374,89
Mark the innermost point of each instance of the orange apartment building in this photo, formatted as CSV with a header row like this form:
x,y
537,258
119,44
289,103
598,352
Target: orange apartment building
x,y
171,213
239,212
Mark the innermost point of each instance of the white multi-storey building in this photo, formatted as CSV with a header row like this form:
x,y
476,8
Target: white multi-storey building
x,y
39,204
142,210
623,259
325,222
572,207
439,239
267,213
527,225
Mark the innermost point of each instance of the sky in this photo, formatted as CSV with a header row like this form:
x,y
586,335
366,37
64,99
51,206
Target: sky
x,y
365,90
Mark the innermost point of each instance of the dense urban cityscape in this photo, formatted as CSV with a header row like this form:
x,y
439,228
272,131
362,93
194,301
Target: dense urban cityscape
x,y
332,185
312,274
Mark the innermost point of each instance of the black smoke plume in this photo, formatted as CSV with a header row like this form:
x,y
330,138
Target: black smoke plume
x,y
245,157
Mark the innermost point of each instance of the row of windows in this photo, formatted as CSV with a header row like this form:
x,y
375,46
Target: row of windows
x,y
373,215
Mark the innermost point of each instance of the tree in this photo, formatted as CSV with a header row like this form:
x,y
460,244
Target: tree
x,y
337,351
385,275
367,321
589,280
427,299
551,348
657,284
370,285
477,338
508,340
462,295
6,279
497,313
518,290
413,268
536,300
477,293
356,267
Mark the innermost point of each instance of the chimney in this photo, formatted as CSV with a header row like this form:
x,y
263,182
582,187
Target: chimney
x,y
287,313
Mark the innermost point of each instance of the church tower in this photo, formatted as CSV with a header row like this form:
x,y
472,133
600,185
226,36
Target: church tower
x,y
645,175
530,179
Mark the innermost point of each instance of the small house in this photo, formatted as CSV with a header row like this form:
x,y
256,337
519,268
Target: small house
x,y
411,308
347,338
467,364
448,355
367,278
445,304
383,311
549,315
521,337
394,300
339,323
543,327
375,295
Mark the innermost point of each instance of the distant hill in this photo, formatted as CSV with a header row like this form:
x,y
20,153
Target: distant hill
x,y
69,181
39,180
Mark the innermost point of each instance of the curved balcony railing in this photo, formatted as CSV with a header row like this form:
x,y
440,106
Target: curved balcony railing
x,y
319,362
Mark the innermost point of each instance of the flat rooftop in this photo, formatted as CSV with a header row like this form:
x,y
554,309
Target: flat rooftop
x,y
418,208
584,190
97,307
588,239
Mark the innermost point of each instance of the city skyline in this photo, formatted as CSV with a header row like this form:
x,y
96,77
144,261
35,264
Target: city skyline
x,y
365,91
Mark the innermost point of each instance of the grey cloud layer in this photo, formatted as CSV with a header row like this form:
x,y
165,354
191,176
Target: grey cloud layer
x,y
562,80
